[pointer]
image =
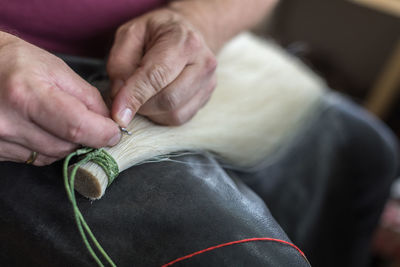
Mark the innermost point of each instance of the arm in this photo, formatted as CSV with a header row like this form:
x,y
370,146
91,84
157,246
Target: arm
x,y
220,20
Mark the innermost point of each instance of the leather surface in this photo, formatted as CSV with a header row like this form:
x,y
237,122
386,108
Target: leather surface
x,y
152,214
326,189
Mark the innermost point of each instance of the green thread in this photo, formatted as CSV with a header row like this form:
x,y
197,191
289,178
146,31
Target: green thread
x,y
106,162
110,167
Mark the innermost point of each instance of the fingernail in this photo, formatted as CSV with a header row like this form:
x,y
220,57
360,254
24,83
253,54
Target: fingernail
x,y
115,139
116,86
125,117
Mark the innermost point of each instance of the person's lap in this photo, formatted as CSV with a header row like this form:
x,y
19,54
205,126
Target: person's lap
x,y
151,215
326,189
329,186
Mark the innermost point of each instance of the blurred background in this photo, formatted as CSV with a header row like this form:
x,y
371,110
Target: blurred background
x,y
355,46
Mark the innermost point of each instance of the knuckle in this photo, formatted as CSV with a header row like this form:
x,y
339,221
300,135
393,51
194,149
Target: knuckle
x,y
58,61
205,100
176,118
5,130
127,32
122,30
168,101
130,29
193,41
213,84
210,64
93,95
75,131
137,98
209,90
158,76
173,28
178,29
14,93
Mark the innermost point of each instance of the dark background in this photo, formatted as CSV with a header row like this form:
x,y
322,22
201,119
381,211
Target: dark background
x,y
349,44
345,42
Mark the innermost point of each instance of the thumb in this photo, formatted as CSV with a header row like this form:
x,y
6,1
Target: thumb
x,y
159,67
125,55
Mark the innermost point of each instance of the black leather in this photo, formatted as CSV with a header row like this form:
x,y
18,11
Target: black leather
x,y
152,214
326,188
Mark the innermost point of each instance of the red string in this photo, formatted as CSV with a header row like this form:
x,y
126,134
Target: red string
x,y
234,243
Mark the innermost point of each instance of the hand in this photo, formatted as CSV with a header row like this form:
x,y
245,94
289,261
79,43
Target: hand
x,y
161,67
46,107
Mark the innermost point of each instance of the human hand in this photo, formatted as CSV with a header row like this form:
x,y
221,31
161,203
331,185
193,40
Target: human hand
x,y
161,67
45,107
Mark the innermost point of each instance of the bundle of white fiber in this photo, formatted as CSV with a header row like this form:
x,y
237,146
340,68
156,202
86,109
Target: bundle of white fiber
x,y
263,95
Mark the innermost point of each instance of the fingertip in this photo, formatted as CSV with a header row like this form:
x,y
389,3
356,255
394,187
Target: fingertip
x,y
115,139
124,117
121,112
113,133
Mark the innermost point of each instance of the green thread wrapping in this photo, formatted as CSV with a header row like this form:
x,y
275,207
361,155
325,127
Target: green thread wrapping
x,y
106,162
110,167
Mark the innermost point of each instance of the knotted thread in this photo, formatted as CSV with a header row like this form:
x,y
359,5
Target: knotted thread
x,y
110,167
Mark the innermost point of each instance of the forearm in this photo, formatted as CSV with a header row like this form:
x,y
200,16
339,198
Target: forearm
x,y
220,20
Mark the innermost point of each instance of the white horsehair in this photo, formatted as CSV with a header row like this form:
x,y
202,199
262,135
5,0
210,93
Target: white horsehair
x,y
263,96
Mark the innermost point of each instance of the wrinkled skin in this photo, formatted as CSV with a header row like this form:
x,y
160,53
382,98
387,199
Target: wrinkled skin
x,y
161,67
46,107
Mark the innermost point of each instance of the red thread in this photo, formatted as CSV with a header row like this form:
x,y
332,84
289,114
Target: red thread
x,y
234,243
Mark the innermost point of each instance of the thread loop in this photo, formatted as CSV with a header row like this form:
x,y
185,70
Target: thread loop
x,y
110,167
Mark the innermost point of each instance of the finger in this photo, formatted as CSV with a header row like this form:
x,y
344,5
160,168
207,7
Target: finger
x,y
69,119
160,66
181,90
36,139
70,82
176,94
17,153
185,113
125,54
